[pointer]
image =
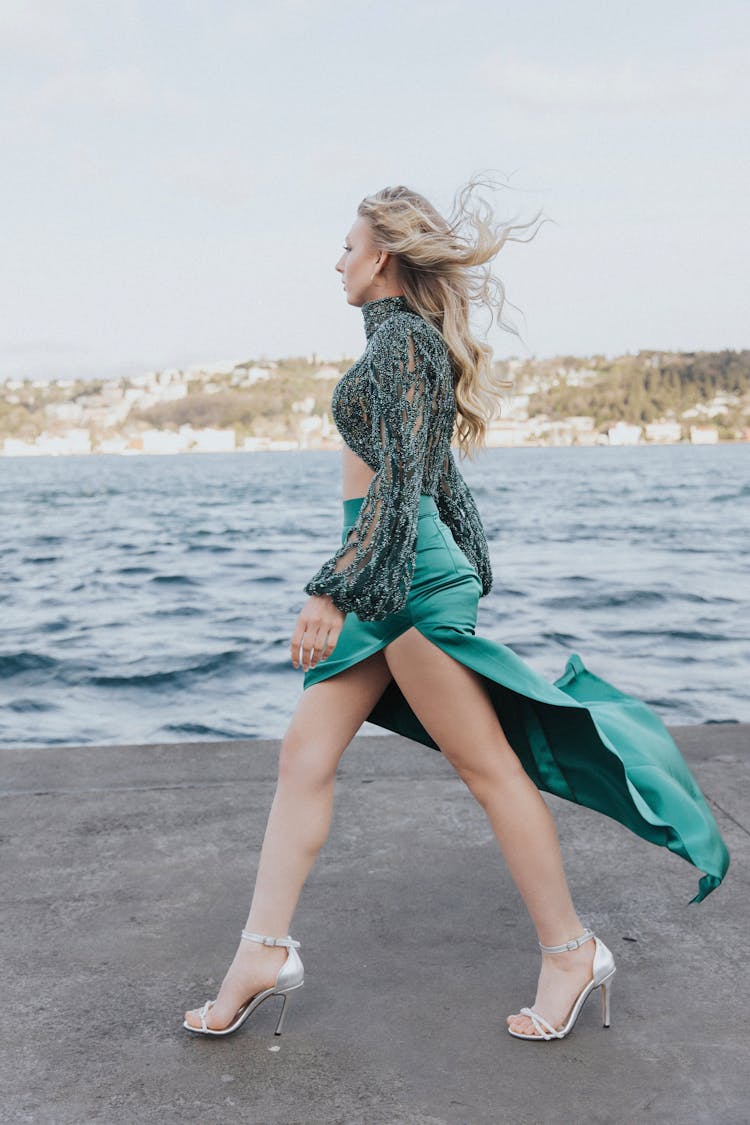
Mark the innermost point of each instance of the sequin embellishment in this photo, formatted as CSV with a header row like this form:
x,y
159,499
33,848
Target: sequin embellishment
x,y
396,409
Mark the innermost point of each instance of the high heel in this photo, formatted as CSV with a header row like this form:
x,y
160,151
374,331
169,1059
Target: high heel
x,y
603,970
290,976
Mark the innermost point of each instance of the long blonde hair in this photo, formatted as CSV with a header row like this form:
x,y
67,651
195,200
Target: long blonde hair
x,y
443,272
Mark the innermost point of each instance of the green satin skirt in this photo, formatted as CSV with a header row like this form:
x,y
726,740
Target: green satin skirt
x,y
579,738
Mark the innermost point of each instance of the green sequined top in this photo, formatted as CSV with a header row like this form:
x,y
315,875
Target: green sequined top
x,y
396,409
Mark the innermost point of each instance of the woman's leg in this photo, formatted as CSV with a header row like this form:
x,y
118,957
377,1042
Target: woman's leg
x,y
452,704
326,719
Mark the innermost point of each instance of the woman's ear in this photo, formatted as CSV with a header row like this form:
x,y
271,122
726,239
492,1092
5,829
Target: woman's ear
x,y
384,261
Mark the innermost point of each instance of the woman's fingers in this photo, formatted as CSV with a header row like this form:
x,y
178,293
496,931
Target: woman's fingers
x,y
333,636
296,641
309,653
302,642
318,645
309,647
316,633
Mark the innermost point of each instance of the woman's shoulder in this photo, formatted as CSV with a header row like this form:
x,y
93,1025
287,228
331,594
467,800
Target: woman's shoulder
x,y
402,324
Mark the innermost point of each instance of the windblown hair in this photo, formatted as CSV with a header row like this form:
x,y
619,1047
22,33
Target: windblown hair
x,y
444,270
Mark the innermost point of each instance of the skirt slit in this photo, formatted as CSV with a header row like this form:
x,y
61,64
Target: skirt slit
x,y
579,737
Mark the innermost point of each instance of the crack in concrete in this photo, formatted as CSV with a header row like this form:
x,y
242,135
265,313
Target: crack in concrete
x,y
728,815
124,788
271,780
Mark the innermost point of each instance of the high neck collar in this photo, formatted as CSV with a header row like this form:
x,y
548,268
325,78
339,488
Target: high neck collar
x,y
375,312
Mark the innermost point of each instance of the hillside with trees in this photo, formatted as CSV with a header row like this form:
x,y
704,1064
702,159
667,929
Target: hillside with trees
x,y
642,388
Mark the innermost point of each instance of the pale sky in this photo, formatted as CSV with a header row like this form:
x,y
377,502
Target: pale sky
x,y
178,177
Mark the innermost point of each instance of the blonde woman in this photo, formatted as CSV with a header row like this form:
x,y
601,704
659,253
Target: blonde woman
x,y
388,633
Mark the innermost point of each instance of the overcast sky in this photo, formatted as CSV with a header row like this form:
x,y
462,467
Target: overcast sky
x,y
178,177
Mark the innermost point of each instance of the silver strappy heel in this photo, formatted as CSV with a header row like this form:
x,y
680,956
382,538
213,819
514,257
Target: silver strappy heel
x,y
291,975
603,969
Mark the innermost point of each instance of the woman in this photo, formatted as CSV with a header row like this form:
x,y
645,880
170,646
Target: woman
x,y
388,634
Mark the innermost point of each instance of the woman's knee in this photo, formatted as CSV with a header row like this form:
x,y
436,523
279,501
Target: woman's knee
x,y
489,772
305,762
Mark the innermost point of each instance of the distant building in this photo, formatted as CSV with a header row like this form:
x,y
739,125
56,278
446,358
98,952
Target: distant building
x,y
187,440
622,433
304,405
663,431
704,435
171,391
112,445
581,423
14,447
163,441
212,440
64,411
506,434
49,445
244,376
719,404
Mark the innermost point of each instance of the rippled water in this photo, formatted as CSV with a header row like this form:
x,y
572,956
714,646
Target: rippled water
x,y
149,599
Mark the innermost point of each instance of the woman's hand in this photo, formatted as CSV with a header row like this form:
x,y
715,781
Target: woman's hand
x,y
316,632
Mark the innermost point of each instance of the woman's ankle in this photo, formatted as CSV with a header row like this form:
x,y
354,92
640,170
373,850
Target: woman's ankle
x,y
258,949
561,933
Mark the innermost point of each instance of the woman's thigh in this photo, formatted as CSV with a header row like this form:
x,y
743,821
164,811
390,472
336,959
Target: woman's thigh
x,y
452,703
329,714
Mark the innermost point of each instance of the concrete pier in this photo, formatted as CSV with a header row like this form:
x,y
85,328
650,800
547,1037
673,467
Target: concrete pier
x,y
126,877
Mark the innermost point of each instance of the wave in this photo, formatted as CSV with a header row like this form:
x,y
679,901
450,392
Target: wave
x,y
612,600
173,676
176,580
200,729
14,663
27,706
670,634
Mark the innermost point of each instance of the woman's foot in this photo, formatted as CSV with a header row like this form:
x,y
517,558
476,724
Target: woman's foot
x,y
254,969
561,981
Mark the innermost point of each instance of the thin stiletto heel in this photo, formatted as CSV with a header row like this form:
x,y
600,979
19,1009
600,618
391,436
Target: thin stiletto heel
x,y
290,976
603,972
606,986
284,1000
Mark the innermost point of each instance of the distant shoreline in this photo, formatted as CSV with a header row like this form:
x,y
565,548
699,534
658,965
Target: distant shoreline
x,y
287,404
283,447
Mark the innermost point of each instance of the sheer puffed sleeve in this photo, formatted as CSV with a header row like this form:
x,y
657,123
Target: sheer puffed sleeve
x,y
371,572
458,510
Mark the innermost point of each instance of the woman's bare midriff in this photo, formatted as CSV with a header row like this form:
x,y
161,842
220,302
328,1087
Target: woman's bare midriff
x,y
356,475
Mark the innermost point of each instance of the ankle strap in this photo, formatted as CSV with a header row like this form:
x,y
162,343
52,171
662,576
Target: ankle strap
x,y
572,944
289,942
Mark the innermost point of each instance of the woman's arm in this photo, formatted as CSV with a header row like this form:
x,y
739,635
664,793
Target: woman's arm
x,y
458,510
371,573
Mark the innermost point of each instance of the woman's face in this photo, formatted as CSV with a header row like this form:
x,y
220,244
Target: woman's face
x,y
359,261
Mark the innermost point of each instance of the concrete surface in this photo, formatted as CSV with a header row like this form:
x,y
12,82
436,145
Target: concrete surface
x,y
126,877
